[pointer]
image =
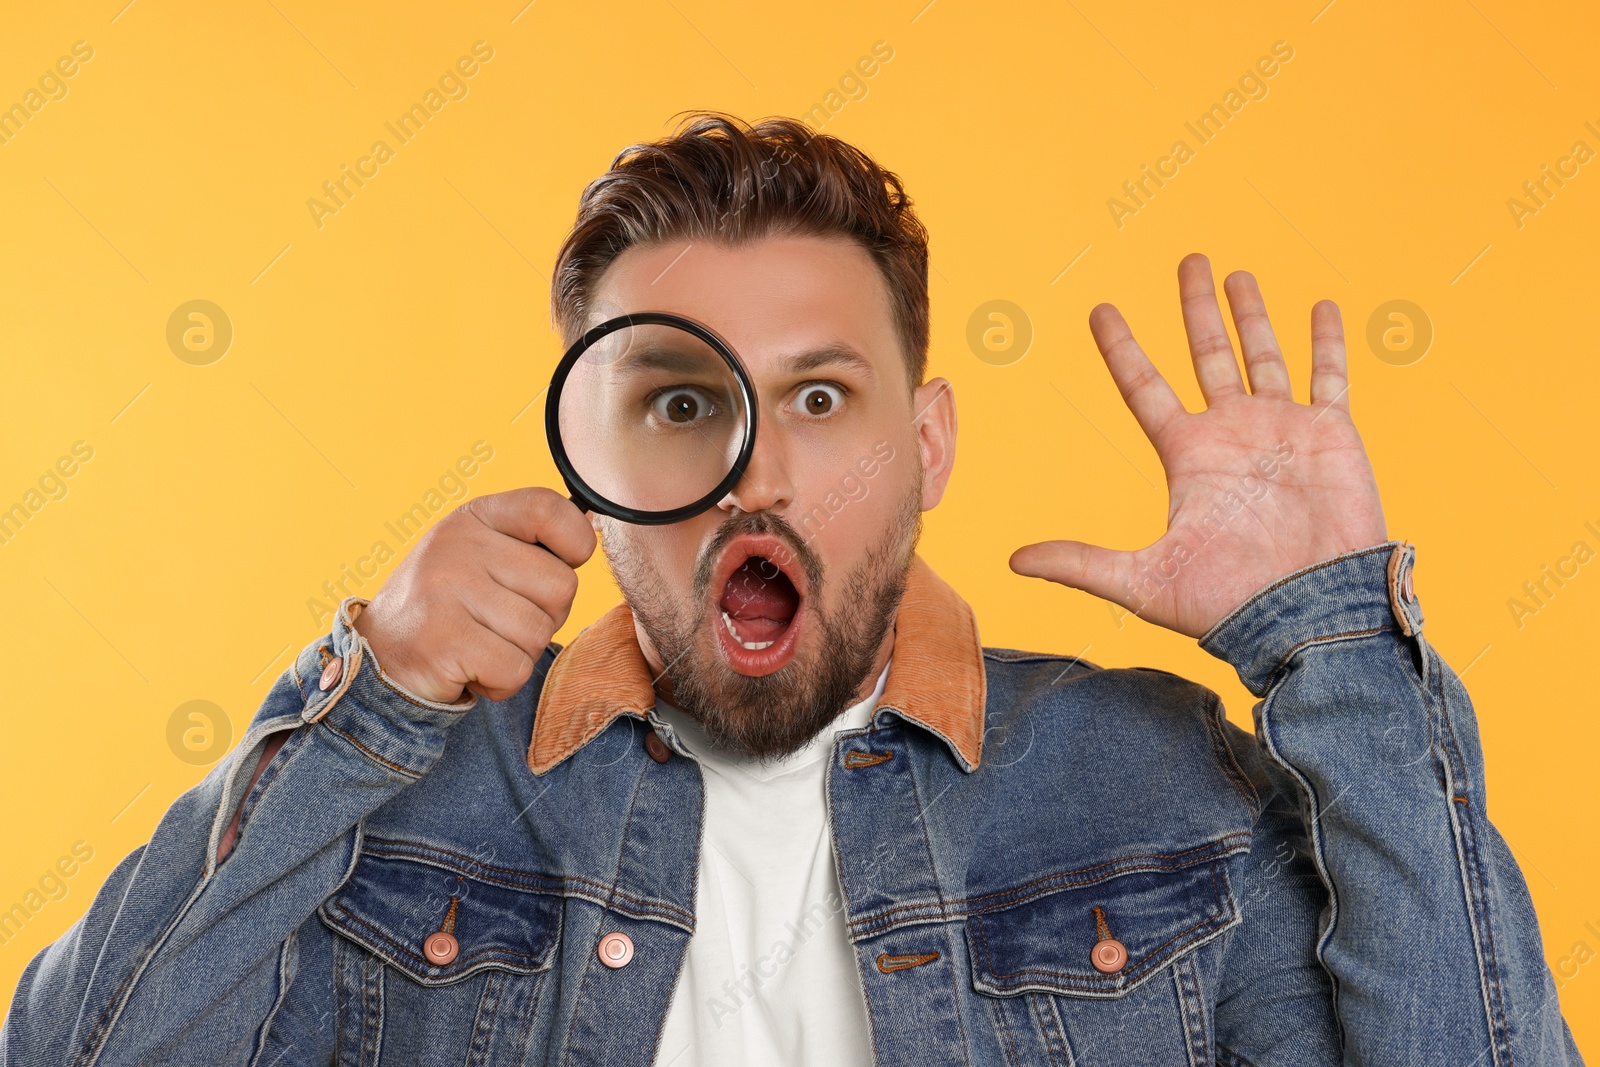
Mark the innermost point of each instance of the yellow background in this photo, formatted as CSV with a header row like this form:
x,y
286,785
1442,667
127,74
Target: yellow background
x,y
370,353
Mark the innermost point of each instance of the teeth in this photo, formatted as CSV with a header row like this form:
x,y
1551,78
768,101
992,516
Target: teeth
x,y
753,646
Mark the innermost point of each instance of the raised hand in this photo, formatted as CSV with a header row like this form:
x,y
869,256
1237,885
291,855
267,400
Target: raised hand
x,y
1258,484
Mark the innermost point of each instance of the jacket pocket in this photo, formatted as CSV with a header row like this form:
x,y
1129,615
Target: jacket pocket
x,y
404,994
402,893
1034,959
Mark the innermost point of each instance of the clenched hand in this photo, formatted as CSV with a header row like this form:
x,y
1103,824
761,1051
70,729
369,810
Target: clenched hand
x,y
473,606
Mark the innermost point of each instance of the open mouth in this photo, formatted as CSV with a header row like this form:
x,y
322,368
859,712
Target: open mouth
x,y
760,604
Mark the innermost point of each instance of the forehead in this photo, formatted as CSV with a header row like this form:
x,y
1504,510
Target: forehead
x,y
772,299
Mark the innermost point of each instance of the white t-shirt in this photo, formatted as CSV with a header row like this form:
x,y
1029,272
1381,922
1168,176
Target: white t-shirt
x,y
770,976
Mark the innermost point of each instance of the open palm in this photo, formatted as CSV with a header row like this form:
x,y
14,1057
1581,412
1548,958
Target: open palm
x,y
1259,484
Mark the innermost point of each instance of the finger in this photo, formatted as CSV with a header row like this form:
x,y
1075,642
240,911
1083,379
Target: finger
x,y
1330,380
1263,359
1143,389
510,616
1098,571
492,666
533,574
1214,364
538,516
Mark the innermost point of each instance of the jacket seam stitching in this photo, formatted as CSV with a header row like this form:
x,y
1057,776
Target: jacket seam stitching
x,y
612,892
1321,639
933,867
483,1019
285,979
1314,837
557,886
866,996
372,1011
103,1021
1007,1042
955,990
1062,881
1055,1039
1225,755
1474,883
94,1045
1191,1008
341,995
371,754
577,1003
530,1008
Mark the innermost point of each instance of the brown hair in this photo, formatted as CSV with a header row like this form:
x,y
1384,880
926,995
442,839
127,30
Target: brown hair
x,y
721,179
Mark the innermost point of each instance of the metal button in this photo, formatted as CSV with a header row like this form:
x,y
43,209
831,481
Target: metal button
x,y
1405,587
440,948
656,747
616,948
330,675
1108,956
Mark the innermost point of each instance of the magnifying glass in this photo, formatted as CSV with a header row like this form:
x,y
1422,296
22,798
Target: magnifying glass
x,y
651,418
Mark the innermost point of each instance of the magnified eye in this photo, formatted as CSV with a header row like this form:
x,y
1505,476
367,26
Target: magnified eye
x,y
681,404
818,399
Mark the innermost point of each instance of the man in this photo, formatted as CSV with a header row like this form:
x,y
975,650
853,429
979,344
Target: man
x,y
781,806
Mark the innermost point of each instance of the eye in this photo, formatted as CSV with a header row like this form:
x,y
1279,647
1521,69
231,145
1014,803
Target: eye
x,y
681,404
818,398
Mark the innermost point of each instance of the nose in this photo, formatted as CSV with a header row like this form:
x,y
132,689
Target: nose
x,y
767,483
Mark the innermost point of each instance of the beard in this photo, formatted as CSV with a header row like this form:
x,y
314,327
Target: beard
x,y
772,715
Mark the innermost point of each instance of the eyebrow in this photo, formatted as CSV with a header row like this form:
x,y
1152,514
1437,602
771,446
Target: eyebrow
x,y
837,354
653,356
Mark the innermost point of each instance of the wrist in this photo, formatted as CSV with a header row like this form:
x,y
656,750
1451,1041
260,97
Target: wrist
x,y
1351,595
392,667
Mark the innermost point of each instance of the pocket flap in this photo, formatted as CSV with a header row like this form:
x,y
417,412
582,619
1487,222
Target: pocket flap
x,y
401,893
1045,943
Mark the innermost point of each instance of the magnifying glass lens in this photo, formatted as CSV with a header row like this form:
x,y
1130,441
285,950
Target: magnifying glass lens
x,y
652,418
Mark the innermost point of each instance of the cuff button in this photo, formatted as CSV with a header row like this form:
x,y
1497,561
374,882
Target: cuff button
x,y
1108,956
330,675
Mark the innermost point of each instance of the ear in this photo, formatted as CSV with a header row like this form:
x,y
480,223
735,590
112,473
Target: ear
x,y
934,404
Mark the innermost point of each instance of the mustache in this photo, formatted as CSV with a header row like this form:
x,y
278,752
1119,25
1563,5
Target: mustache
x,y
757,522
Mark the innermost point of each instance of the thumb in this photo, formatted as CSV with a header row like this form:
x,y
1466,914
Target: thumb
x,y
1098,571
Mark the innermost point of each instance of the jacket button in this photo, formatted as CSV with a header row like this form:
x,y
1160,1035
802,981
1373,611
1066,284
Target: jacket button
x,y
440,948
330,675
657,748
1405,587
1108,956
616,948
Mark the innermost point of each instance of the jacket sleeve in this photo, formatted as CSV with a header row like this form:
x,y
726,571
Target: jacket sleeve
x,y
1274,998
182,958
1427,930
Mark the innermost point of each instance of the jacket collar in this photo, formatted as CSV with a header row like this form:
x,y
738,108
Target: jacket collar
x,y
936,678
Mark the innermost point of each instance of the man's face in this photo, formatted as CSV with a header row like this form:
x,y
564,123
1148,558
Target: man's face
x,y
769,614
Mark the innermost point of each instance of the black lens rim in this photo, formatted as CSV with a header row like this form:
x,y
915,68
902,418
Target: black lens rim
x,y
585,496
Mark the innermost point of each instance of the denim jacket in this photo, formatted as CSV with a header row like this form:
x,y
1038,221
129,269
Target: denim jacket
x,y
1043,862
